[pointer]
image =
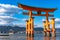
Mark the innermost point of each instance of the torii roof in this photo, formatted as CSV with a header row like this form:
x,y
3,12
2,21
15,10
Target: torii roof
x,y
25,7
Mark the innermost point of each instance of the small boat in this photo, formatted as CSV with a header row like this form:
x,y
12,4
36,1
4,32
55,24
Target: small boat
x,y
4,34
10,33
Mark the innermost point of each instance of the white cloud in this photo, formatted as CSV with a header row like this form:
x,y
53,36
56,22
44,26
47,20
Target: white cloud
x,y
7,20
57,19
2,10
3,22
8,6
6,13
7,9
37,25
57,26
45,20
24,19
7,17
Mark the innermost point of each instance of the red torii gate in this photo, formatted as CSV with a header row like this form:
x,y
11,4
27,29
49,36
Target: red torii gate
x,y
30,23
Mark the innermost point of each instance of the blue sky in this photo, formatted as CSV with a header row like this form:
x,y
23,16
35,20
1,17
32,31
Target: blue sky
x,y
17,18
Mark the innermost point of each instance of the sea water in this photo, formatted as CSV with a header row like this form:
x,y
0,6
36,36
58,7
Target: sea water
x,y
22,36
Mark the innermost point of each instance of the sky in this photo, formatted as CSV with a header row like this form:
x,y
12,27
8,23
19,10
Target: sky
x,y
12,15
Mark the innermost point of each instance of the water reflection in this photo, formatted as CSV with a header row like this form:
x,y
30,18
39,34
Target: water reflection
x,y
46,38
29,38
49,38
53,38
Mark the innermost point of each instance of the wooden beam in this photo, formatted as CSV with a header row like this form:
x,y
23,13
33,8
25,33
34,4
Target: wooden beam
x,y
25,7
39,12
50,15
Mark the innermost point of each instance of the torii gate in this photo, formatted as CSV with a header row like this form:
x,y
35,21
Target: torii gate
x,y
30,22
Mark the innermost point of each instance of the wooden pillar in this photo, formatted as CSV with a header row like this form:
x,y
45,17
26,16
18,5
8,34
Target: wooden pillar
x,y
45,30
30,14
31,24
47,24
53,27
31,27
27,26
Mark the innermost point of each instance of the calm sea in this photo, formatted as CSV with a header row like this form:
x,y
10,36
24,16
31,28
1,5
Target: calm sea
x,y
22,36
